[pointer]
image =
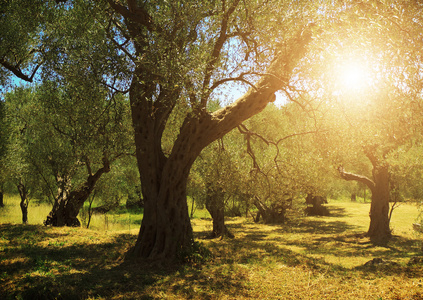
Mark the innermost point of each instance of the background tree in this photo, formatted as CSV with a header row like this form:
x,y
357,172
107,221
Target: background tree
x,y
370,90
16,168
61,140
220,181
286,165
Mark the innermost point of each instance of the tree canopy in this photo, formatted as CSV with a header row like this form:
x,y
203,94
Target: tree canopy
x,y
176,58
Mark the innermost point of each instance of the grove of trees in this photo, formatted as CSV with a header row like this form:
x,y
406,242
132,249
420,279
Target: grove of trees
x,y
183,87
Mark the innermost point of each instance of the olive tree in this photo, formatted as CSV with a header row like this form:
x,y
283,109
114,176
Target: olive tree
x,y
3,143
64,144
165,53
370,91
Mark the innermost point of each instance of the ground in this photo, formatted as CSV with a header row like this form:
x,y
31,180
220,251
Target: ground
x,y
306,258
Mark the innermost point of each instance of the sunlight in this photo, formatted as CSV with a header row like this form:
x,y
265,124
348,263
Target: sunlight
x,y
354,76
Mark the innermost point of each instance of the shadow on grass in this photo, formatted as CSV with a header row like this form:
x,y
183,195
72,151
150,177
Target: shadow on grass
x,y
309,241
71,266
47,263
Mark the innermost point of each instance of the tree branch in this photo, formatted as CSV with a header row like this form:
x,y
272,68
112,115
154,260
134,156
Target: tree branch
x,y
239,78
360,178
136,14
18,72
216,52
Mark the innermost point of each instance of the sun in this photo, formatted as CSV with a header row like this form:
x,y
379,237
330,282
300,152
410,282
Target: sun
x,y
353,76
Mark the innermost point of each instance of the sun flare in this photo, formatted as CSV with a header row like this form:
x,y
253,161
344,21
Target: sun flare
x,y
353,76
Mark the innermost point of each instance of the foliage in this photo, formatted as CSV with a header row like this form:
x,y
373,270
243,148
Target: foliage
x,y
20,50
56,135
3,128
120,185
4,131
176,58
286,164
381,108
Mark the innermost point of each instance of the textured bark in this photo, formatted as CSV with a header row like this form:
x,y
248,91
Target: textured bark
x,y
379,230
68,204
215,205
23,193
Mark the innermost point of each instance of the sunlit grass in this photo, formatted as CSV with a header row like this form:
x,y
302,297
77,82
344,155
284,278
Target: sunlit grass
x,y
12,213
120,219
306,258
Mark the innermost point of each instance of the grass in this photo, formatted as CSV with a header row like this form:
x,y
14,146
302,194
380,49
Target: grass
x,y
120,219
306,258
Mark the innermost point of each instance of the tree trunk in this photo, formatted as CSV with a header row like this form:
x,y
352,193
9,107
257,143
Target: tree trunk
x,y
166,229
1,199
271,215
215,205
90,211
23,193
379,230
67,204
317,208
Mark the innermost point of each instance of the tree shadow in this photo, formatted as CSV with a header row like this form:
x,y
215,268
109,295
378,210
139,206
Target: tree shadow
x,y
43,263
60,270
309,241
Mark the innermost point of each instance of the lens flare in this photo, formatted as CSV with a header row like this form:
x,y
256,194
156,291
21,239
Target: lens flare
x,y
354,76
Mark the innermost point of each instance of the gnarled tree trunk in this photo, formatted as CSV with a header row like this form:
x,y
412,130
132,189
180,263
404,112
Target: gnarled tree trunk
x,y
67,204
165,229
23,193
274,214
215,205
379,230
317,208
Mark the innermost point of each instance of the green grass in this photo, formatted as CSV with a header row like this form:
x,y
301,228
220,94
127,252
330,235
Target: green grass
x,y
306,258
11,213
120,219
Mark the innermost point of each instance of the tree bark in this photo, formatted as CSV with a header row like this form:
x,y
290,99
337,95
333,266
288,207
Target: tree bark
x,y
215,205
67,204
379,230
23,193
1,199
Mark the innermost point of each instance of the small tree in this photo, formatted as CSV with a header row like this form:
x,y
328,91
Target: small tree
x,y
23,193
60,140
220,178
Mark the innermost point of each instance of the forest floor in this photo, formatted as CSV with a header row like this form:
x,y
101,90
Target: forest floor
x,y
306,258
